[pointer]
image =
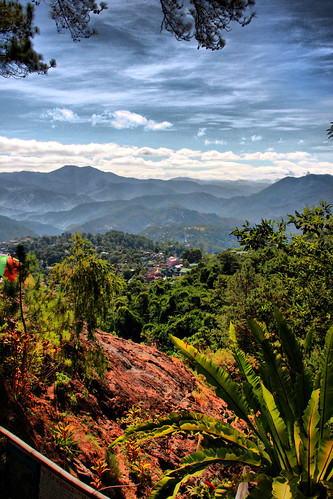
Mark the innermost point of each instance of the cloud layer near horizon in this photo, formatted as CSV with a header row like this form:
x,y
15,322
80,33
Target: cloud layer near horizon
x,y
164,163
133,85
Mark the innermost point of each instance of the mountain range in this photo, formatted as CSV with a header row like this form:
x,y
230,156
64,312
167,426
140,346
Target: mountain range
x,y
86,199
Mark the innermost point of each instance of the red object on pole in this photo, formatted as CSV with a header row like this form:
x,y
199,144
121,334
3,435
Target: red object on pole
x,y
12,268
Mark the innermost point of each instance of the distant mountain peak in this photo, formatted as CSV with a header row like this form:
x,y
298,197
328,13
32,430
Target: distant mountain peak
x,y
77,196
73,169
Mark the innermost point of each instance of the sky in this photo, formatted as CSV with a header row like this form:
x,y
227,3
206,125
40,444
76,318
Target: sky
x,y
135,101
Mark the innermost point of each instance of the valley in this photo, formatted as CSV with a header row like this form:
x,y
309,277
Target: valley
x,y
91,201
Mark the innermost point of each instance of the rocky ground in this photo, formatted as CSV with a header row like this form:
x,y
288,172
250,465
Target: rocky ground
x,y
140,383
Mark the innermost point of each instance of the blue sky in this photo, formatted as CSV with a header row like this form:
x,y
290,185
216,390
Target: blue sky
x,y
134,101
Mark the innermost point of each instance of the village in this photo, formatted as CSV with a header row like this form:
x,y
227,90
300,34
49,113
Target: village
x,y
157,266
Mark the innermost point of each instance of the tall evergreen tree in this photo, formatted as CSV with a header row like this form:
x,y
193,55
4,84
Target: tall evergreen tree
x,y
87,284
17,56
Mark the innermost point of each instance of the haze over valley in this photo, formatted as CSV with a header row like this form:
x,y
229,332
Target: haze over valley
x,y
85,199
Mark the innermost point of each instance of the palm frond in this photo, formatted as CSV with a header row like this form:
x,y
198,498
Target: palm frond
x,y
286,488
326,385
329,488
195,463
294,356
263,488
310,439
278,431
289,343
253,392
246,371
191,422
325,460
153,428
275,376
226,389
224,432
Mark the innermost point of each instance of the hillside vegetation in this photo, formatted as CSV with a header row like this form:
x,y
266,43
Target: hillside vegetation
x,y
49,340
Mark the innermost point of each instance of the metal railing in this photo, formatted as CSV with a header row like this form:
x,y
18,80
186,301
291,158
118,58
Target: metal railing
x,y
27,474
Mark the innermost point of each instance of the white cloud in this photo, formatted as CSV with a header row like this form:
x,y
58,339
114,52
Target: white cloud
x,y
120,120
124,119
223,156
273,156
101,119
256,138
202,132
61,114
164,163
152,125
215,142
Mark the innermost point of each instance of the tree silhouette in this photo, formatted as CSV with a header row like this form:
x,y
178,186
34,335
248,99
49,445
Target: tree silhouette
x,y
204,20
17,56
330,131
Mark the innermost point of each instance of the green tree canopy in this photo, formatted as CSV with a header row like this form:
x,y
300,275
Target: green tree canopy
x,y
87,284
17,56
261,235
192,255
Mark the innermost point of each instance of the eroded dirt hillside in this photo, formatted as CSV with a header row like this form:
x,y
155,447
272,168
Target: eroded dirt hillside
x,y
140,383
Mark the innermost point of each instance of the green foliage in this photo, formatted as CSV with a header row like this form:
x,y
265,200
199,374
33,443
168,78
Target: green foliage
x,y
87,283
261,235
17,56
138,464
112,463
115,247
63,435
135,415
36,325
61,379
19,352
210,238
192,255
203,490
100,466
315,221
311,269
94,364
286,410
294,274
127,324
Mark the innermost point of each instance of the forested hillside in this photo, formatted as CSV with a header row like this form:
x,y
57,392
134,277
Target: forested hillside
x,y
46,320
119,249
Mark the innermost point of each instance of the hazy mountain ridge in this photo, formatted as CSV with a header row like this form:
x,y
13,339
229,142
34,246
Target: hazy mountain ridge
x,y
107,186
87,199
136,218
10,229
